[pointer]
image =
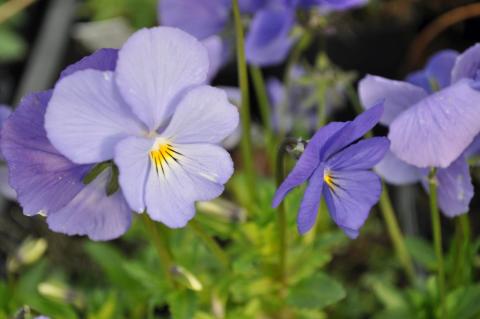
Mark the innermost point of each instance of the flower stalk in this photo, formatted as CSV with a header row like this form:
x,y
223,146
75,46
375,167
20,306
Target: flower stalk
x,y
160,245
437,239
265,110
246,142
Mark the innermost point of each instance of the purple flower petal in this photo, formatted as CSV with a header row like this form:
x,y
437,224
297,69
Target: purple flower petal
x,y
311,202
308,162
438,69
204,115
398,95
353,130
86,117
338,5
455,189
351,198
268,41
435,131
93,213
200,18
132,159
396,171
467,64
155,66
361,155
102,60
43,178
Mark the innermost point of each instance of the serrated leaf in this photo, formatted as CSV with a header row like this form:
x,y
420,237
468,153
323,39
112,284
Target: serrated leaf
x,y
316,292
464,302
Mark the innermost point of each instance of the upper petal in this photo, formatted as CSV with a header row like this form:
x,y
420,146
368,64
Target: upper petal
x,y
217,54
154,68
311,202
396,171
308,162
93,213
102,60
268,41
455,189
86,117
398,95
435,131
361,155
438,69
351,198
200,18
352,131
43,178
467,64
204,115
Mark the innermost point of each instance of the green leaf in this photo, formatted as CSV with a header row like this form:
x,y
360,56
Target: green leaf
x,y
183,304
464,302
422,252
95,171
316,292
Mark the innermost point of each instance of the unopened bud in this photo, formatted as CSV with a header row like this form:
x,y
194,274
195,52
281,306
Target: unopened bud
x,y
29,252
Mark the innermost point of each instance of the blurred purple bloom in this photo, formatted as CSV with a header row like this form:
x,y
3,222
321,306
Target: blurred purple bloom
x,y
153,116
337,167
424,128
268,40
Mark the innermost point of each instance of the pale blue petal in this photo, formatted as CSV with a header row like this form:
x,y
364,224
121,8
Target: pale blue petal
x,y
204,115
155,67
93,213
398,95
397,172
86,118
438,129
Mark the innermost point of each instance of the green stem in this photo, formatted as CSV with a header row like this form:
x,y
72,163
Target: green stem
x,y
265,107
246,143
437,239
322,111
159,241
282,217
301,45
396,235
211,243
462,249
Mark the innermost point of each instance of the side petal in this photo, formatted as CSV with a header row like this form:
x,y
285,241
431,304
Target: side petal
x,y
200,18
435,131
93,213
361,155
398,95
352,131
467,64
308,162
154,68
101,60
351,198
204,115
216,49
268,41
438,69
132,159
86,118
396,171
42,177
455,189
311,202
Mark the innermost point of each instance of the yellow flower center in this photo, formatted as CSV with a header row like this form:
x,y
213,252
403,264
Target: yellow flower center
x,y
161,153
328,179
